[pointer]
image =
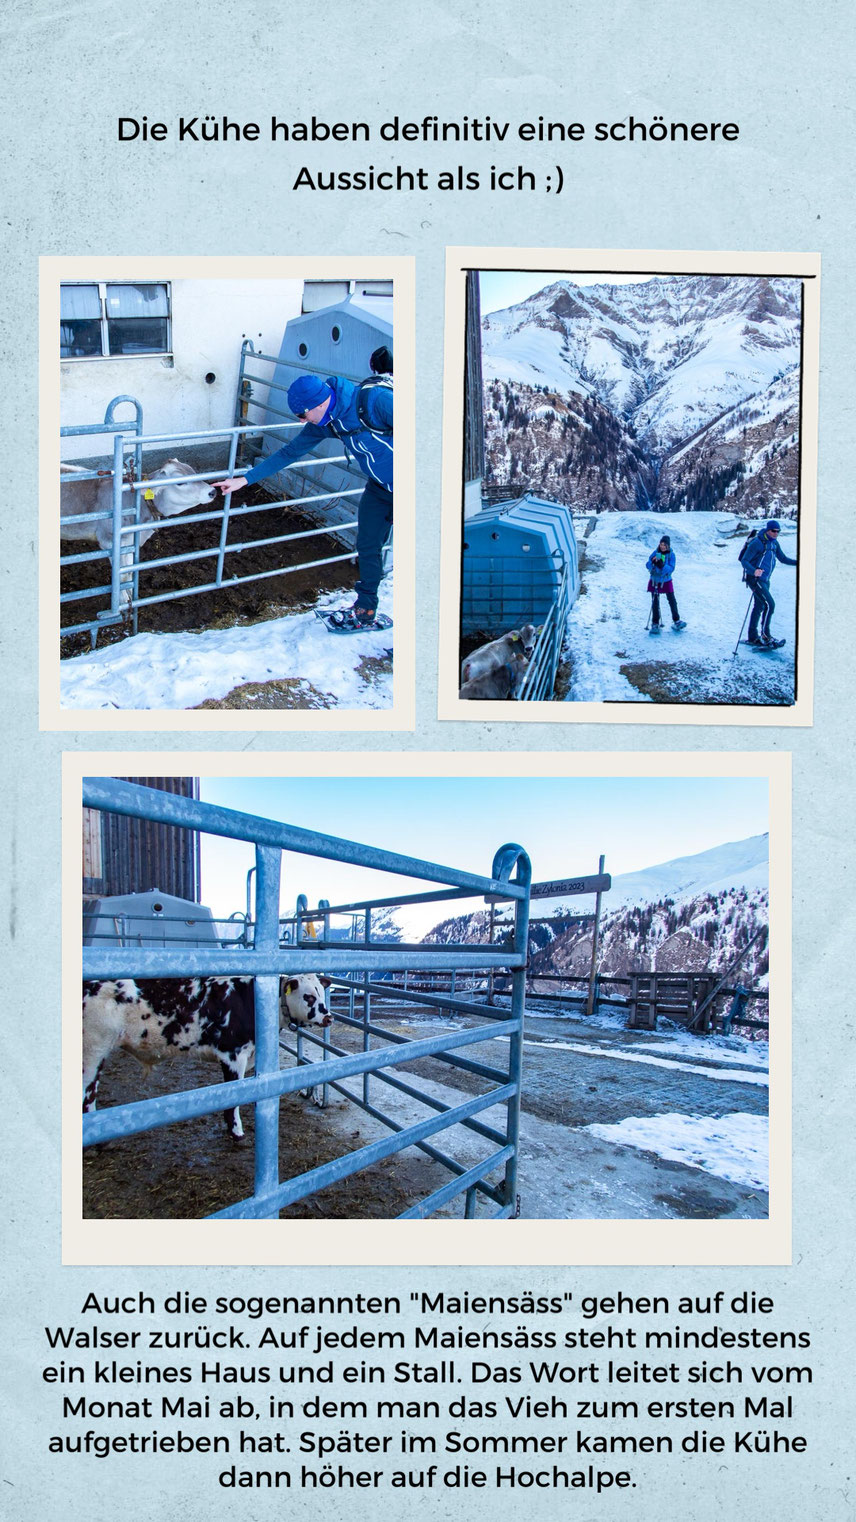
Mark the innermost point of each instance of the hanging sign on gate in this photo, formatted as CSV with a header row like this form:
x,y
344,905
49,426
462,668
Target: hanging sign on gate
x,y
599,882
566,887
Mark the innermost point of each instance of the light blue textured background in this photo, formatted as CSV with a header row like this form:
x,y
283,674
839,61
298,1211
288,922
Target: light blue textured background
x,y
782,71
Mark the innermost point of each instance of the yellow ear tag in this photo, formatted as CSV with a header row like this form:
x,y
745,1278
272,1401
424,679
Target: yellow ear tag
x,y
149,495
515,636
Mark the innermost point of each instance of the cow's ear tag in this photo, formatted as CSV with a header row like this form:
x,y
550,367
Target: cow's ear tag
x,y
515,636
149,495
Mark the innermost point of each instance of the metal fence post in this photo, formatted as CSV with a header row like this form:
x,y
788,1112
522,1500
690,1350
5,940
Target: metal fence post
x,y
504,860
594,946
227,506
266,989
116,545
367,1040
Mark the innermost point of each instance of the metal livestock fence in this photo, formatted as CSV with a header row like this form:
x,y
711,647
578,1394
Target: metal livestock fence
x,y
128,486
264,951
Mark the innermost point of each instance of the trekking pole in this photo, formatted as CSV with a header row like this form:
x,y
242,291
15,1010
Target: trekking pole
x,y
650,611
743,625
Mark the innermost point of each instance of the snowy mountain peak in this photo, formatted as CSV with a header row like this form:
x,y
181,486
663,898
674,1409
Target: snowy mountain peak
x,y
663,362
737,864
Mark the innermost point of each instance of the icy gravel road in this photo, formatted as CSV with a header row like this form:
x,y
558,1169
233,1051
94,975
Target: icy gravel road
x,y
614,658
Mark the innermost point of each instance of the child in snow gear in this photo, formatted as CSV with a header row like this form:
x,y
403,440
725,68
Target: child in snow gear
x,y
660,566
360,418
758,558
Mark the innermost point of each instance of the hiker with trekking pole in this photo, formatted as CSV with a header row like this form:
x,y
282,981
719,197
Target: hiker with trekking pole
x,y
660,566
758,558
359,416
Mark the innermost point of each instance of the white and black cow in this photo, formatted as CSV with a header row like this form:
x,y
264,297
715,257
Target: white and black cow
x,y
160,1017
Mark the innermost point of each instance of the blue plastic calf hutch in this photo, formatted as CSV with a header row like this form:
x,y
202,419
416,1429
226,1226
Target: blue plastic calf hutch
x,y
520,558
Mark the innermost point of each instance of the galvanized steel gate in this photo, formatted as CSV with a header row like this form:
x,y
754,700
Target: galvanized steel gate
x,y
352,966
128,485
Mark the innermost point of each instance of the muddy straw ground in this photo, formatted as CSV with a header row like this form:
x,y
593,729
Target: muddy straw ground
x,y
192,1169
247,603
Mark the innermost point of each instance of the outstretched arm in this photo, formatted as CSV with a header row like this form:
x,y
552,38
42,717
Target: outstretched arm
x,y
780,555
302,444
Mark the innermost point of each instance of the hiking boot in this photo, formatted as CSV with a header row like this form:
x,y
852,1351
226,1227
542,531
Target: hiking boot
x,y
357,617
656,629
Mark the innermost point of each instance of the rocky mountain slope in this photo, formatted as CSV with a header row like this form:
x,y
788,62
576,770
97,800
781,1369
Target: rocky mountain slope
x,y
692,914
677,393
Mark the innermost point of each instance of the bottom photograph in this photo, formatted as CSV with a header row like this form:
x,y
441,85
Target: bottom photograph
x,y
469,997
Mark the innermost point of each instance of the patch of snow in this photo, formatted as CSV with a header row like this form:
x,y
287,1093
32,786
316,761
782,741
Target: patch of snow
x,y
734,1147
734,1049
182,670
723,1075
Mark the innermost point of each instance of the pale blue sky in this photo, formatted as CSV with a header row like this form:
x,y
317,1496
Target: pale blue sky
x,y
564,824
505,288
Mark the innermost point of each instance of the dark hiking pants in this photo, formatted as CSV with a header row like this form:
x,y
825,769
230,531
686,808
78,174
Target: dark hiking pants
x,y
763,608
374,526
672,600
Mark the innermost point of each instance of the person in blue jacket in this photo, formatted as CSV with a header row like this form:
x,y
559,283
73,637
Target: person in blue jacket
x,y
660,566
359,416
759,561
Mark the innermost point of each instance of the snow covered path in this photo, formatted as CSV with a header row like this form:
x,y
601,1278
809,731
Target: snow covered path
x,y
614,658
183,670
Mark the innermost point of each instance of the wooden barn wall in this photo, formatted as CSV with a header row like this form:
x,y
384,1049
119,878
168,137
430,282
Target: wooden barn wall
x,y
123,855
473,401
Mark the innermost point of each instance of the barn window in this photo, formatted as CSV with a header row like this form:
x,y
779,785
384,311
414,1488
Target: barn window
x,y
111,319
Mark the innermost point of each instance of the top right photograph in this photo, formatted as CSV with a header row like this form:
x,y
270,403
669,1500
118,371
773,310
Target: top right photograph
x,y
633,495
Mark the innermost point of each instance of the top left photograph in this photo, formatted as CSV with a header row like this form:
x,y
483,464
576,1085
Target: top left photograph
x,y
219,461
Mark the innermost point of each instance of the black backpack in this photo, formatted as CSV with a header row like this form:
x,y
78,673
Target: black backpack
x,y
744,547
362,406
371,384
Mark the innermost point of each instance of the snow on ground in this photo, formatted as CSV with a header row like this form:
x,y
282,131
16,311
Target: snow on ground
x,y
734,1147
737,1050
606,627
725,1075
182,670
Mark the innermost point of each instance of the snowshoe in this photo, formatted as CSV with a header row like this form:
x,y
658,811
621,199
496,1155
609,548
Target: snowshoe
x,y
761,645
679,623
774,644
354,620
655,629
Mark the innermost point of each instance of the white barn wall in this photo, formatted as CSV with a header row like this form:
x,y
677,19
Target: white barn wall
x,y
210,319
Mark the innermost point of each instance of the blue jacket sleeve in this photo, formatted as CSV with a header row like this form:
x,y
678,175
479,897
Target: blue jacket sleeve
x,y
302,444
780,555
754,554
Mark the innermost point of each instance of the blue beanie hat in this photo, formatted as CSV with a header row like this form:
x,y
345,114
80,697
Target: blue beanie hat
x,y
306,393
774,523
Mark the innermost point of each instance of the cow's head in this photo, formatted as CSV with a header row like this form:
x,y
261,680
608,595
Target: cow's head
x,y
179,494
527,636
302,1001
